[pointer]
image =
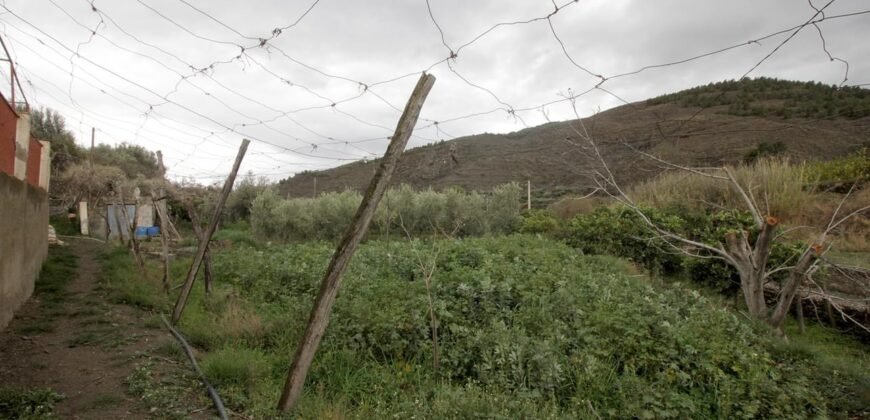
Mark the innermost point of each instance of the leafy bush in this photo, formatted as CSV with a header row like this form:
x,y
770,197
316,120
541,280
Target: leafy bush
x,y
27,404
853,168
539,221
765,149
620,231
526,324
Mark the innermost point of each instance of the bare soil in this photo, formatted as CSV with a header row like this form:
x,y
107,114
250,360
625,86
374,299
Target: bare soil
x,y
87,355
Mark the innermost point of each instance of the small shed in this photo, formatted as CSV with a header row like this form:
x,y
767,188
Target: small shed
x,y
143,214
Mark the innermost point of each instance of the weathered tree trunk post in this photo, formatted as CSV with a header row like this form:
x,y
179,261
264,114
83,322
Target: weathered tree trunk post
x,y
319,317
799,313
206,237
131,229
160,205
206,259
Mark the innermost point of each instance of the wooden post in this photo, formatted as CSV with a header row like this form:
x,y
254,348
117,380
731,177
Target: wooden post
x,y
170,228
319,317
131,229
91,152
529,194
160,205
203,242
206,259
799,309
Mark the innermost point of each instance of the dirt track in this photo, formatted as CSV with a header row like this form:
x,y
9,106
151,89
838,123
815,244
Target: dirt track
x,y
87,353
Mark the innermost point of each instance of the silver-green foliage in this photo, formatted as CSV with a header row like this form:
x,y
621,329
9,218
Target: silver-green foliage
x,y
402,211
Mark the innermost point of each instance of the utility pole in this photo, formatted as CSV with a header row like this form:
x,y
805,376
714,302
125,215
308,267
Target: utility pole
x,y
315,187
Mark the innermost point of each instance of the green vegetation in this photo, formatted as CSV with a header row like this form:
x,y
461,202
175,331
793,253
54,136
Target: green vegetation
x,y
27,404
50,288
164,394
852,168
837,366
402,211
765,150
46,124
767,97
620,231
613,345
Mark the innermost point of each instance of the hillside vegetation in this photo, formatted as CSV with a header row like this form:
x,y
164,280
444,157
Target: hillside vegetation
x,y
766,97
737,121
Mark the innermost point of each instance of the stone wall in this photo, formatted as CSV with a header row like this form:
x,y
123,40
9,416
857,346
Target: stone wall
x,y
23,242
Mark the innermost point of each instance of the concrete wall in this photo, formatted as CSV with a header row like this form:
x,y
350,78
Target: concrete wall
x,y
23,242
22,145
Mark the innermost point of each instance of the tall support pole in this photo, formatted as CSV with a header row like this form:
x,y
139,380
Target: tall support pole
x,y
206,237
206,259
160,205
319,317
131,230
91,153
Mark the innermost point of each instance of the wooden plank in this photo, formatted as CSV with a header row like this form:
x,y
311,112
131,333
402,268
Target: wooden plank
x,y
319,317
203,243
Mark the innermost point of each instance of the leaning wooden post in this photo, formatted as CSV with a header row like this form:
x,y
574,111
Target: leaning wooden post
x,y
206,237
206,258
160,205
131,229
319,317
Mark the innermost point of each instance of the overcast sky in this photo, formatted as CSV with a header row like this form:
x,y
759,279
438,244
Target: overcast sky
x,y
169,74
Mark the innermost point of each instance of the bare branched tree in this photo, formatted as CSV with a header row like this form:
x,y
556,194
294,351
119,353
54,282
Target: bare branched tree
x,y
749,258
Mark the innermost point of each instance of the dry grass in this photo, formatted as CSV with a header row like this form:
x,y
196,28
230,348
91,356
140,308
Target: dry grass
x,y
780,188
776,185
238,322
569,207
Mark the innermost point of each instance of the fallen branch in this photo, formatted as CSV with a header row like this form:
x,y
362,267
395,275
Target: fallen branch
x,y
218,404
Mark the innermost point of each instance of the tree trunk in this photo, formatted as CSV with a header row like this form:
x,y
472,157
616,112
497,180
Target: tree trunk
x,y
751,282
789,289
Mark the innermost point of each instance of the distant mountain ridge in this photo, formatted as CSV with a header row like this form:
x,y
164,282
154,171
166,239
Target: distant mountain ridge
x,y
708,125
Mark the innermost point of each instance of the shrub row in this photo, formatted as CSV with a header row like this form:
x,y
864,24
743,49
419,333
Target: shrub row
x,y
402,212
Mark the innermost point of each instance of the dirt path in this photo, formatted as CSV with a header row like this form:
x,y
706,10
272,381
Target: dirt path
x,y
80,346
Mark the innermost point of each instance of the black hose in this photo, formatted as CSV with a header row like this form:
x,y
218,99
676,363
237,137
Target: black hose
x,y
218,404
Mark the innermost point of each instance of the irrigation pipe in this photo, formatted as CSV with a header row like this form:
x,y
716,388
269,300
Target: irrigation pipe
x,y
80,237
218,404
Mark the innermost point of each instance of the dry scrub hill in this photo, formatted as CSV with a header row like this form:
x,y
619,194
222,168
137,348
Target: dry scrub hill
x,y
709,125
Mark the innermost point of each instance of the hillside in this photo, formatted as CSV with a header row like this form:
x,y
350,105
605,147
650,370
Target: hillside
x,y
709,125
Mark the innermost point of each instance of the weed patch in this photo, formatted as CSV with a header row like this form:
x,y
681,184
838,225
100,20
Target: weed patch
x,y
27,404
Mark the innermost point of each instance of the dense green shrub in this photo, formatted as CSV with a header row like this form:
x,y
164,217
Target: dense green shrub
x,y
539,221
402,211
526,326
764,149
853,168
620,231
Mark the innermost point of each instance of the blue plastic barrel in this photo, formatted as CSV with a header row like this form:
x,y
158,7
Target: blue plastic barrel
x,y
153,231
141,232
